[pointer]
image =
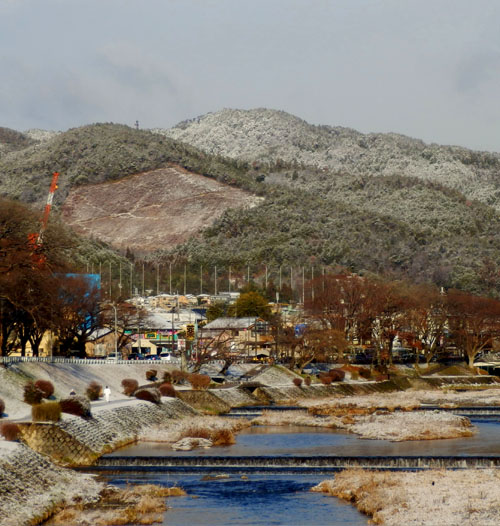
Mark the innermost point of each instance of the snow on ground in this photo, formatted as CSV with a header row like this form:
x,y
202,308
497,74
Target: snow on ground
x,y
173,431
407,399
66,377
398,426
421,425
424,498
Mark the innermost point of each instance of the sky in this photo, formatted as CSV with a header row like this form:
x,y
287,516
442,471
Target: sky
x,y
429,69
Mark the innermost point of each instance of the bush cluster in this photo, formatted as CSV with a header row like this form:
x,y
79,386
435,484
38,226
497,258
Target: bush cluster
x,y
46,387
325,379
148,394
167,377
297,382
129,386
46,412
2,407
9,430
151,375
32,394
179,376
337,375
365,373
93,391
307,380
199,381
76,405
167,389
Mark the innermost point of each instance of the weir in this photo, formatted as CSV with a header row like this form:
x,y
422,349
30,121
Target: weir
x,y
287,464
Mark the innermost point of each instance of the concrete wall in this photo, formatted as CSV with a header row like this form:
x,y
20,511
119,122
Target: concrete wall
x,y
79,442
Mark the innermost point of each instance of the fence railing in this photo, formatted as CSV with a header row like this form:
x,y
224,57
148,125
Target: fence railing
x,y
85,361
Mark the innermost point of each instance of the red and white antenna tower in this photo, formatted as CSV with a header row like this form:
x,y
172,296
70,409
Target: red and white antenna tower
x,y
48,206
36,240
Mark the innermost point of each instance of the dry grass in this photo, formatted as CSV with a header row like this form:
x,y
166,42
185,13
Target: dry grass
x,y
437,497
295,418
381,425
142,504
217,429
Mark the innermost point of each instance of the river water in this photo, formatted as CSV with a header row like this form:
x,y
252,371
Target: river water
x,y
283,499
308,441
261,500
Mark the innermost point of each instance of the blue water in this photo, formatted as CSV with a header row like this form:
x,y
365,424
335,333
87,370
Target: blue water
x,y
285,499
307,441
260,500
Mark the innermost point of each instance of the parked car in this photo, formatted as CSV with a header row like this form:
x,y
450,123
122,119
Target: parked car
x,y
166,356
152,357
135,356
112,357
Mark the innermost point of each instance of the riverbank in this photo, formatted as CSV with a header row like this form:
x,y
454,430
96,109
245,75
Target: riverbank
x,y
76,441
32,487
382,425
434,497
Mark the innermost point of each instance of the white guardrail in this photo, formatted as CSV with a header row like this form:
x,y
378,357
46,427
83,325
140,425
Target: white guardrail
x,y
85,361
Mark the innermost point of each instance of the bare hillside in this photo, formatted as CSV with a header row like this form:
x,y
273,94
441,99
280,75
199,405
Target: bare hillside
x,y
151,210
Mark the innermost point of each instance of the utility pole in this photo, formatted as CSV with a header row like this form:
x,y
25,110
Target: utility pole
x,y
303,286
136,125
184,279
110,279
131,280
170,277
116,333
229,280
280,280
143,279
201,279
312,284
157,279
120,282
266,277
215,280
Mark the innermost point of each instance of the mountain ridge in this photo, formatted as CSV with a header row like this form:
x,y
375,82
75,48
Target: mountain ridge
x,y
385,203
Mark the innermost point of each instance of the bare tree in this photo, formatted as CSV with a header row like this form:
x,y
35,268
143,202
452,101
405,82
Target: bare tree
x,y
474,322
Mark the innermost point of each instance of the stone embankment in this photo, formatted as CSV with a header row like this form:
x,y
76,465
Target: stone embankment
x,y
32,487
79,442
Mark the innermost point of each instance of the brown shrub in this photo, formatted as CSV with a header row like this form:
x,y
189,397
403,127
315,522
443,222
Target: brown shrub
x,y
151,375
167,377
167,389
76,405
32,394
365,373
2,407
222,437
129,386
297,382
9,430
195,431
307,380
179,376
148,394
325,379
337,375
46,387
94,391
199,381
46,412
